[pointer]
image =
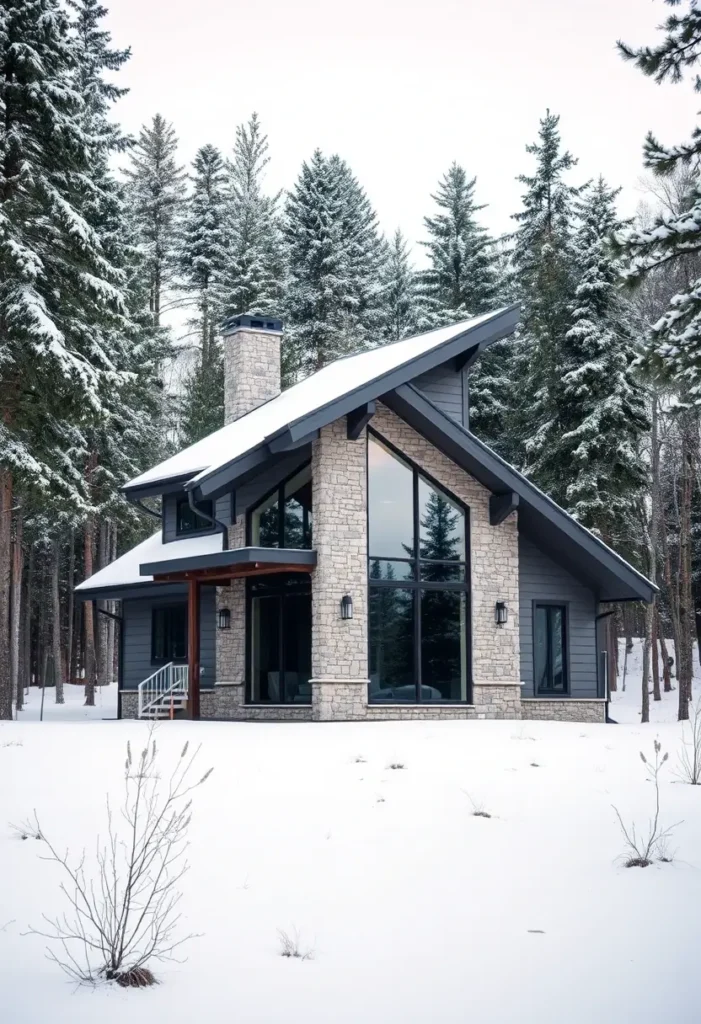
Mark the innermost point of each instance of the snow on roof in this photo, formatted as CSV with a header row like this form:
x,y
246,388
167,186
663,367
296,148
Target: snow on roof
x,y
124,571
328,384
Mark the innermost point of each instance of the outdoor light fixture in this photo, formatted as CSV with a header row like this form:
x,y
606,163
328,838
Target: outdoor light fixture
x,y
501,613
347,607
224,618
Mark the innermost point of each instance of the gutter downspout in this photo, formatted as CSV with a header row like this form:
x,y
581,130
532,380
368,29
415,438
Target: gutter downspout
x,y
598,618
222,527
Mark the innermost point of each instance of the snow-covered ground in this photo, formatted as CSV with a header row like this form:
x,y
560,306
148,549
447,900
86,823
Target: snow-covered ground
x,y
417,911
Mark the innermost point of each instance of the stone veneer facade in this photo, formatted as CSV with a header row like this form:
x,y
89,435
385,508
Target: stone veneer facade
x,y
251,370
340,647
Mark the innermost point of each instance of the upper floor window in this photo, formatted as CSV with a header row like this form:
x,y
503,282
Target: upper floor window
x,y
283,519
187,520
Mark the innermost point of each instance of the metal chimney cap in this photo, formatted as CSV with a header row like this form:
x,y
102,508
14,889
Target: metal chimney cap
x,y
254,323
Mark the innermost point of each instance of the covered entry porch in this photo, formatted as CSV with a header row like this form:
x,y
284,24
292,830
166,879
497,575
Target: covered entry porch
x,y
276,626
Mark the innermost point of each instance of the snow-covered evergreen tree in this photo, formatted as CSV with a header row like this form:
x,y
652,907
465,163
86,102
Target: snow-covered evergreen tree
x,y
460,281
601,405
156,196
333,299
255,269
399,303
673,236
545,279
62,297
204,264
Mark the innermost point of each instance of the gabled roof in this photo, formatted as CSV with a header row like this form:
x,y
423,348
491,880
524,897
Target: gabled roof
x,y
553,530
337,389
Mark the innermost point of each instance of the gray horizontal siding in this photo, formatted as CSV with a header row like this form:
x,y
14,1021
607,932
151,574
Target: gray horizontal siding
x,y
136,626
541,579
445,387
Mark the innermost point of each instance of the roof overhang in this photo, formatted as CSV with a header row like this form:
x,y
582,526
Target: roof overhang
x,y
463,348
540,519
223,566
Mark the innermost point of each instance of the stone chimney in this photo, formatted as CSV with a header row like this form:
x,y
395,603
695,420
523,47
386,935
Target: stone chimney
x,y
251,363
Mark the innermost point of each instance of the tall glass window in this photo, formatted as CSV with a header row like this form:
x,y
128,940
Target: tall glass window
x,y
283,519
550,648
418,584
279,640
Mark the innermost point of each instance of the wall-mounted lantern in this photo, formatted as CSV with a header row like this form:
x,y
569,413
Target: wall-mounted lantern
x,y
501,613
224,618
346,607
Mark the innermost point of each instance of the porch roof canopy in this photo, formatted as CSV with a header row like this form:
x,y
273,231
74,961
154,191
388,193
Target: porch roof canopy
x,y
295,416
222,566
123,577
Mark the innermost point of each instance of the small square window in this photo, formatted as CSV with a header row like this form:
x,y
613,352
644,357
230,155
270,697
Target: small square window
x,y
187,520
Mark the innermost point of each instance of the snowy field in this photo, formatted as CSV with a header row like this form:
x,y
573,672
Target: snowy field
x,y
415,910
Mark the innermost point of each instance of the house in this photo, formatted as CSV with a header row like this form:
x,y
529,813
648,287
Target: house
x,y
347,549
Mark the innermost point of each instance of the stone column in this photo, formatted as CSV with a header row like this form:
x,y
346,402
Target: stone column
x,y
251,365
339,646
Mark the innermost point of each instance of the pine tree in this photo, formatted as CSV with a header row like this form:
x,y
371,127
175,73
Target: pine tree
x,y
204,264
602,405
255,259
156,195
61,296
333,300
675,339
544,270
399,301
460,281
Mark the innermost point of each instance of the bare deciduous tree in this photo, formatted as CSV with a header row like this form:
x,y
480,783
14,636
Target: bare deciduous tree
x,y
690,756
124,914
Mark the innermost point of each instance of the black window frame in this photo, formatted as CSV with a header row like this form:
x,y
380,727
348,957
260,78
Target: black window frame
x,y
206,527
279,489
170,606
276,586
564,607
463,586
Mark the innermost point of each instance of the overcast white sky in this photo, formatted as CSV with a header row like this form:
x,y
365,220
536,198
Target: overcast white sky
x,y
401,88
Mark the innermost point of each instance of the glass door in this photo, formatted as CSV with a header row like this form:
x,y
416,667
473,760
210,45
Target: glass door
x,y
280,641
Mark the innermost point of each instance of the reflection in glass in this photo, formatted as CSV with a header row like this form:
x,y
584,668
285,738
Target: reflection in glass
x,y
442,572
298,510
390,502
383,569
443,645
550,649
392,644
441,525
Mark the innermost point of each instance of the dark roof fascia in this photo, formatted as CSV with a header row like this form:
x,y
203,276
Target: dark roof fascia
x,y
498,476
168,485
124,592
300,430
235,556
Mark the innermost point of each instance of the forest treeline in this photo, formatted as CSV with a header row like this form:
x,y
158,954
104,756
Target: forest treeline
x,y
117,262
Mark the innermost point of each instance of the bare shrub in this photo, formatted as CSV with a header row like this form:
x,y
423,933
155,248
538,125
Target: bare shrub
x,y
689,767
641,848
478,809
396,765
123,914
291,946
26,830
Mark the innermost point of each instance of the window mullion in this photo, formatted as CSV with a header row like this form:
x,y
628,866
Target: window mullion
x,y
417,590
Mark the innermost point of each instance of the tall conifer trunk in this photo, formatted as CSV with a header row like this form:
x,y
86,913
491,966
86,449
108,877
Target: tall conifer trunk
x,y
16,605
5,584
56,621
88,616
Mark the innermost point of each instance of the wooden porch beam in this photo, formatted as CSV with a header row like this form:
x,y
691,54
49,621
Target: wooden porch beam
x,y
222,576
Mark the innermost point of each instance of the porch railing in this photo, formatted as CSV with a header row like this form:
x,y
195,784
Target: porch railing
x,y
165,684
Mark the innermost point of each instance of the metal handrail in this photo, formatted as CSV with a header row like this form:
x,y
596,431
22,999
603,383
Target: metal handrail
x,y
167,681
